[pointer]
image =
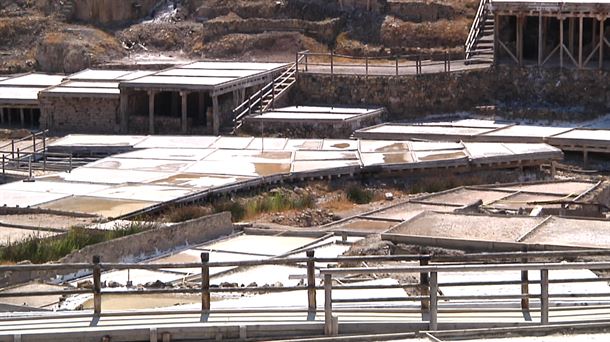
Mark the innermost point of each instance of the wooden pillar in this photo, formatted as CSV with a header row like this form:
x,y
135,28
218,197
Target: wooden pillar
x,y
525,301
580,41
2,110
9,116
544,296
571,35
205,282
328,305
602,44
215,116
561,45
433,301
151,111
496,38
540,40
31,114
184,108
311,282
520,21
22,116
123,108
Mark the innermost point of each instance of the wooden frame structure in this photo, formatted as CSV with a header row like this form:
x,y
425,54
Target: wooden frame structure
x,y
567,33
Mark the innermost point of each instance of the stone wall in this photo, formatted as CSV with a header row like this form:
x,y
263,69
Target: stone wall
x,y
310,129
79,114
158,240
546,94
326,30
419,11
110,12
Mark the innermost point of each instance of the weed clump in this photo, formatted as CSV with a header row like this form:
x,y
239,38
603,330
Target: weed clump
x,y
358,195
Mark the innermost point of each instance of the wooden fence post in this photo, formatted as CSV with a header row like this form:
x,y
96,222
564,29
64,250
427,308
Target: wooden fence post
x,y
328,305
205,282
366,62
97,285
433,301
332,64
397,65
544,296
311,282
424,282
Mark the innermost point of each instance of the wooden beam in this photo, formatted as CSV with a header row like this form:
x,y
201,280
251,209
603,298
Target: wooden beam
x,y
571,35
22,117
544,296
2,110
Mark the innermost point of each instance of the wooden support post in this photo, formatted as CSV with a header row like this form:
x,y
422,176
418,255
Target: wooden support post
x,y
215,115
520,22
22,116
97,285
205,282
424,285
496,38
561,44
332,63
397,65
585,158
31,112
328,305
540,40
366,63
123,108
2,110
571,35
311,282
151,112
544,296
184,109
525,301
433,301
602,44
580,42
9,116
296,63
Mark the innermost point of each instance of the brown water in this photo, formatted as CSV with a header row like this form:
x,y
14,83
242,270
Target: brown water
x,y
269,169
396,147
397,158
442,156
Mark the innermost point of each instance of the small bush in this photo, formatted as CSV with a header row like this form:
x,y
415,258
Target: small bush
x,y
181,214
238,212
356,194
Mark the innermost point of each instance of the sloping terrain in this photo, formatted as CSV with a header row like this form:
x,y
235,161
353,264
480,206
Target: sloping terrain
x,y
55,37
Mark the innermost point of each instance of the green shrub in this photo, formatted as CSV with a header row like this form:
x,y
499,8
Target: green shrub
x,y
356,194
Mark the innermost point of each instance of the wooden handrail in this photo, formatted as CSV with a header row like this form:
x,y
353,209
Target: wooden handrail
x,y
475,28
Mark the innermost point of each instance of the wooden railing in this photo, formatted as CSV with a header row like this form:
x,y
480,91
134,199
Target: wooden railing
x,y
475,29
428,285
398,65
255,102
32,156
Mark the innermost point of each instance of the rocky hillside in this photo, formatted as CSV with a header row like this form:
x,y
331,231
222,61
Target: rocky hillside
x,y
68,35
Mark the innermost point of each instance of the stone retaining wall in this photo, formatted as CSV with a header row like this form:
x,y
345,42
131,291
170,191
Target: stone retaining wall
x,y
545,94
79,114
418,11
326,30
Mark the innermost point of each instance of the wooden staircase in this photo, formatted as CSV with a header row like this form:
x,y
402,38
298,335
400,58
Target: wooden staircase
x,y
479,46
265,99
